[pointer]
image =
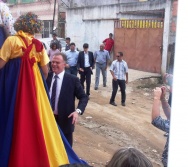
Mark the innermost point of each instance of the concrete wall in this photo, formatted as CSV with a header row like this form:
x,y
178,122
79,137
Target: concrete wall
x,y
91,25
87,21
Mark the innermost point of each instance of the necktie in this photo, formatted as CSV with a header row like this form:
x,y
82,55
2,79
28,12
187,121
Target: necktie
x,y
54,92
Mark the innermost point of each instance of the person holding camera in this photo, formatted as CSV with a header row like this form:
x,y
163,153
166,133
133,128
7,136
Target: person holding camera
x,y
158,121
168,79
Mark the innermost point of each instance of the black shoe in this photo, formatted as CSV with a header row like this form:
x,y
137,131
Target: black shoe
x,y
123,103
104,85
113,103
96,88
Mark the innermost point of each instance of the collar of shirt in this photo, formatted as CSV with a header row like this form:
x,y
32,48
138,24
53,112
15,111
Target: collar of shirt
x,y
58,89
60,75
72,50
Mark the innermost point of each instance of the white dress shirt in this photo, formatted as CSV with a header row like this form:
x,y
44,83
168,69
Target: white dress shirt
x,y
86,57
120,68
58,89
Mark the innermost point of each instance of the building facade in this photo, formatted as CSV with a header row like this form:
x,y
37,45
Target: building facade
x,y
45,10
91,21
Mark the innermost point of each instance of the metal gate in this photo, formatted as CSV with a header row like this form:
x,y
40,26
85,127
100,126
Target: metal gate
x,y
141,43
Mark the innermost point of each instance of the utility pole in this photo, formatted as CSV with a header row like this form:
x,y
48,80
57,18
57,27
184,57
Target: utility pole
x,y
54,16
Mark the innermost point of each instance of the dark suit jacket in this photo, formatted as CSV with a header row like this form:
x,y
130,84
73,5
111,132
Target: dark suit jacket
x,y
70,89
81,59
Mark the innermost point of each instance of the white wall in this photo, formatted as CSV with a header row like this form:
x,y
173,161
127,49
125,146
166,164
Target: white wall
x,y
90,25
93,24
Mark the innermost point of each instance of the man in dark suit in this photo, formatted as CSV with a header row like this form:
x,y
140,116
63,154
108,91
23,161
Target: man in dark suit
x,y
85,65
65,87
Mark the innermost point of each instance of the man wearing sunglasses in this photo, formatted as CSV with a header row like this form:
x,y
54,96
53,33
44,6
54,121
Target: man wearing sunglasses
x,y
119,71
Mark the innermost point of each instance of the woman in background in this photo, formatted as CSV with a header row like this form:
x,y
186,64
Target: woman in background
x,y
53,50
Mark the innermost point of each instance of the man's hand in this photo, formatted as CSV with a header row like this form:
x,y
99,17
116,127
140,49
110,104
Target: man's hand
x,y
74,116
81,69
126,81
114,78
163,88
157,93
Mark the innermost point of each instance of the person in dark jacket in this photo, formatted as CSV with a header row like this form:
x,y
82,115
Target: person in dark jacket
x,y
85,66
65,87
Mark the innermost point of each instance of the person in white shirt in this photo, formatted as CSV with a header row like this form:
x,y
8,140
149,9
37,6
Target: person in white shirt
x,y
72,59
119,71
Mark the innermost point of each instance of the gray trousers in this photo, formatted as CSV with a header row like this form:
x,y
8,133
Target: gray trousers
x,y
100,67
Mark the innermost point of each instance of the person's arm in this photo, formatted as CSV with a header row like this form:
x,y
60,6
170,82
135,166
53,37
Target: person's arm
x,y
104,41
45,70
80,94
79,62
92,61
107,59
127,77
83,100
5,51
164,102
49,53
44,61
112,72
112,48
95,56
114,77
156,103
2,63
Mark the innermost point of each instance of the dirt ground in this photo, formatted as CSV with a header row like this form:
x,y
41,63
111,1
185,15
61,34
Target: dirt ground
x,y
104,128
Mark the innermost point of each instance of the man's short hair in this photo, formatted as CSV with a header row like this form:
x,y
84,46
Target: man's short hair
x,y
85,45
111,34
61,54
68,38
54,34
72,43
120,53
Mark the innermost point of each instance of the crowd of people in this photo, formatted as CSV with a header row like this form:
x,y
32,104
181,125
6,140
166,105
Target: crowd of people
x,y
39,99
